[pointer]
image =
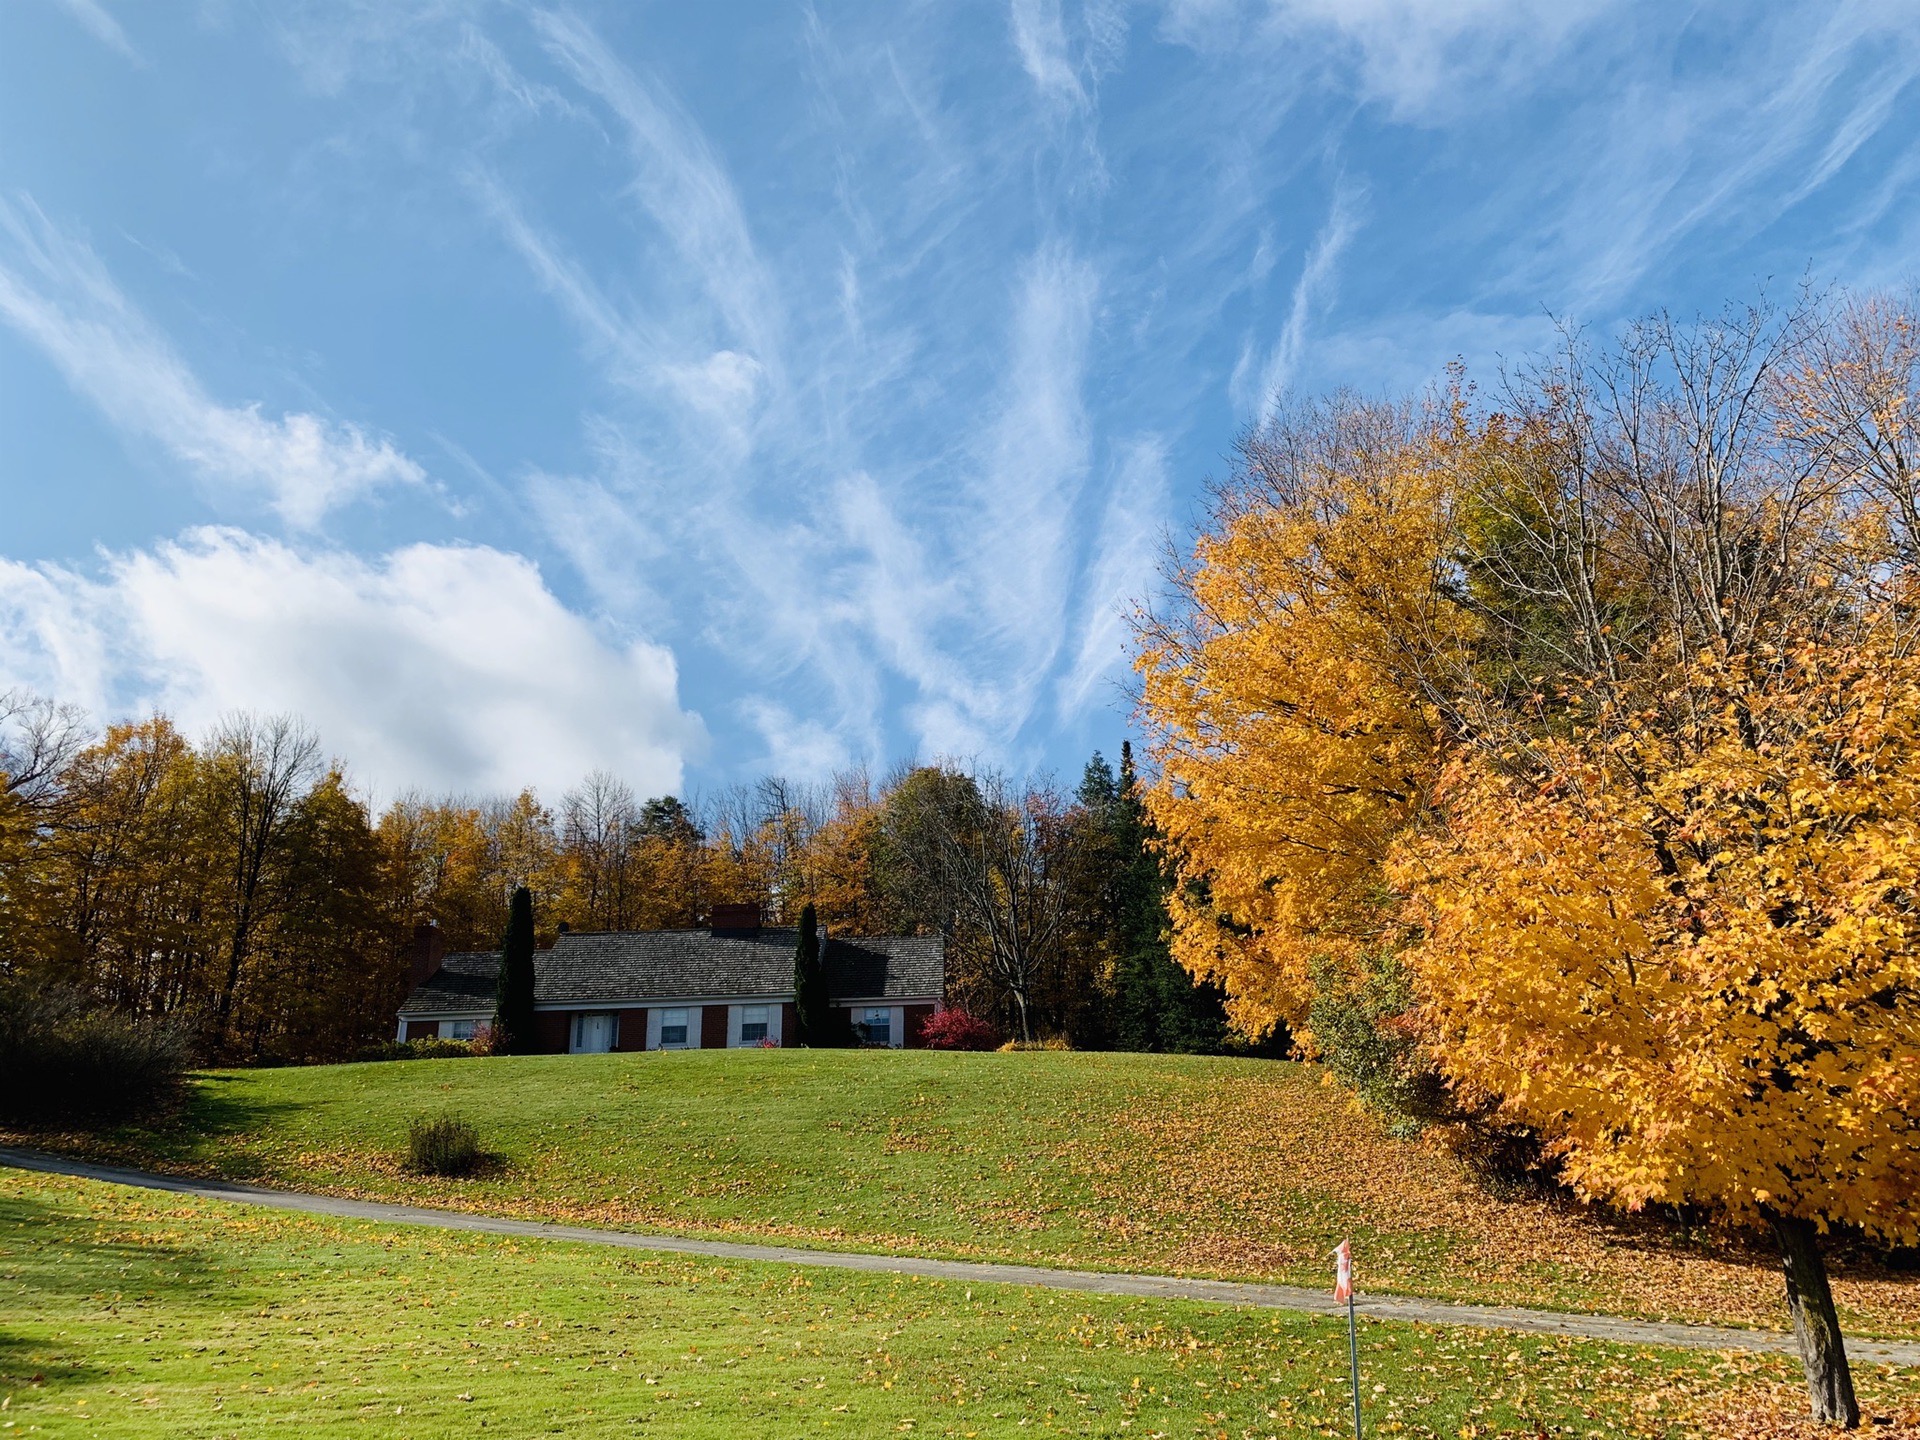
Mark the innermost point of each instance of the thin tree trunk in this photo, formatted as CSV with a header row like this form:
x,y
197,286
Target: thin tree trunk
x,y
1815,1325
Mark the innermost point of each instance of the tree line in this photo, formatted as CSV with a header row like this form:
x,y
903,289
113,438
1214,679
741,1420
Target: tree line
x,y
237,887
1549,762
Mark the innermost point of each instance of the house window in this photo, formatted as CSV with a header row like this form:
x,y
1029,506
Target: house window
x,y
459,1029
593,1033
673,1028
753,1024
876,1026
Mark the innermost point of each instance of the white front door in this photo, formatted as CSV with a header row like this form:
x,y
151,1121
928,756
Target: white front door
x,y
593,1034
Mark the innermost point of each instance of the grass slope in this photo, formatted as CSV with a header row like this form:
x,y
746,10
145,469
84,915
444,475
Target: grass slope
x,y
1249,1169
130,1314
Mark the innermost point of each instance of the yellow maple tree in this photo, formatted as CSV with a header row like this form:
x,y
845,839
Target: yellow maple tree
x,y
1598,716
1290,739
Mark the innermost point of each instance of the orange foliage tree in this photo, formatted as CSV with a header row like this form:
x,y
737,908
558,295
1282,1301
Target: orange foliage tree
x,y
1595,720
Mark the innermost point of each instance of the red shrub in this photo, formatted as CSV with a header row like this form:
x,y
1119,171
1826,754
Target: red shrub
x,y
953,1029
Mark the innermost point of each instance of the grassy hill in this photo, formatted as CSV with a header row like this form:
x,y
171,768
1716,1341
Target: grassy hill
x,y
132,1314
1246,1169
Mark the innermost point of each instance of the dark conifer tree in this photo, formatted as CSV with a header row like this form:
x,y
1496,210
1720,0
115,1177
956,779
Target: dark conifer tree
x,y
1158,1004
513,1028
810,983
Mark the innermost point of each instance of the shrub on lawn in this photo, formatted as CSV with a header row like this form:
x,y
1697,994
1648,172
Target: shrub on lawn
x,y
957,1029
63,1060
1052,1042
436,1048
443,1145
426,1049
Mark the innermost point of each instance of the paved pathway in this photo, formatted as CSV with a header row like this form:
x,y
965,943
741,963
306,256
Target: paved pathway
x,y
1165,1287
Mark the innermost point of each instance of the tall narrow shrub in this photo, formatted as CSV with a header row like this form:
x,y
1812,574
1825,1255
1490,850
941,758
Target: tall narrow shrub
x,y
1158,1004
810,983
513,1005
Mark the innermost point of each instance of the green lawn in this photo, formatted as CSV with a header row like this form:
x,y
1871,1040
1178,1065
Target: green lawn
x,y
131,1313
1207,1166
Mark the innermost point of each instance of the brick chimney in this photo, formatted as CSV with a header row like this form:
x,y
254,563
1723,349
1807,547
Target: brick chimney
x,y
428,949
736,919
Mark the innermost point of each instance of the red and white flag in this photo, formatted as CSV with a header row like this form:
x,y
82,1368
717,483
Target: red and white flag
x,y
1343,1271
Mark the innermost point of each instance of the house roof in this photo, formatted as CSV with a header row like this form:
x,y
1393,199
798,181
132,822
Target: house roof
x,y
466,980
634,967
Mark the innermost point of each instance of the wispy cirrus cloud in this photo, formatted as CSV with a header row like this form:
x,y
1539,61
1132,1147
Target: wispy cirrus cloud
x,y
1120,570
55,292
1258,384
630,347
893,336
962,570
1029,480
1428,61
100,24
1040,35
1682,165
681,184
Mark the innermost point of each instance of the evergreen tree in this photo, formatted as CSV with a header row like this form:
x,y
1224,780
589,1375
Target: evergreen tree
x,y
1159,1005
810,983
513,1007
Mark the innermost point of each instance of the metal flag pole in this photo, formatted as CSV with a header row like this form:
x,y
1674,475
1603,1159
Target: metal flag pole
x,y
1343,1290
1353,1352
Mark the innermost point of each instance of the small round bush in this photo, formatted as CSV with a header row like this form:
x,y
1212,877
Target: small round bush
x,y
443,1145
957,1029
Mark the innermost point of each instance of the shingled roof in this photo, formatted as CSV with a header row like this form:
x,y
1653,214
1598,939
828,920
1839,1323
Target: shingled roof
x,y
466,980
634,967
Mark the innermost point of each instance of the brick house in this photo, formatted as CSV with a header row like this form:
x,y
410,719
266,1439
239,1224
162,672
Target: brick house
x,y
729,985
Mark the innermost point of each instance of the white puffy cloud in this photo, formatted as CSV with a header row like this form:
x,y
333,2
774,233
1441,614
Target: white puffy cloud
x,y
56,293
439,667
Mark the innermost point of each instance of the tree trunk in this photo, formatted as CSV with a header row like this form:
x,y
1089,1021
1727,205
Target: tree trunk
x,y
1815,1325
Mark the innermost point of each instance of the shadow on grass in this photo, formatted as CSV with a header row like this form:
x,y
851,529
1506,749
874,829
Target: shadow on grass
x,y
215,1108
487,1165
1662,1234
218,1107
25,1362
57,1258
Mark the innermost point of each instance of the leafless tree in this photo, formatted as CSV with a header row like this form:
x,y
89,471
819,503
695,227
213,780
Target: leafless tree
x,y
38,740
600,823
261,766
983,852
1851,402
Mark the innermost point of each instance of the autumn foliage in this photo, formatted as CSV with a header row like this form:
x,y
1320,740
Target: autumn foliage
x,y
952,1028
1582,724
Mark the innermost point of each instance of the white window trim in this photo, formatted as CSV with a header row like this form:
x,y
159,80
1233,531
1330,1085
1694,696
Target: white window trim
x,y
655,1019
737,1020
896,1020
440,1021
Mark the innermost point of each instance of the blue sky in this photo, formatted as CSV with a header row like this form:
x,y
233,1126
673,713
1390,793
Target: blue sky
x,y
694,391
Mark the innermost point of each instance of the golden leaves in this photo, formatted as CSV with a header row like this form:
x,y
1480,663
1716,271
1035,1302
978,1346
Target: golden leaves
x,y
1608,736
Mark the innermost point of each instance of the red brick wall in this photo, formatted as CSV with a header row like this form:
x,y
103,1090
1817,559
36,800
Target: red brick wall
x,y
633,1031
789,1024
713,1027
916,1016
552,1031
422,1029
